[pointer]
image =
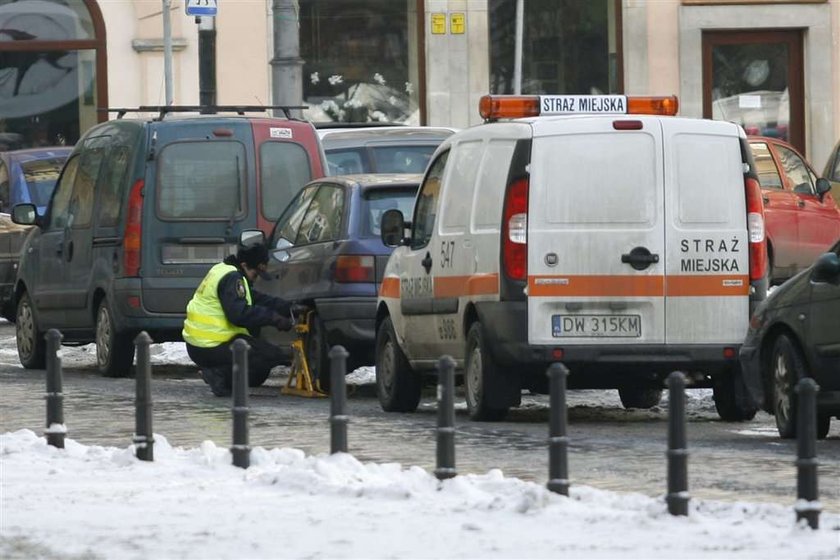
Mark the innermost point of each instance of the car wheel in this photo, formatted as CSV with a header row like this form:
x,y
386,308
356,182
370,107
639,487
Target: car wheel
x,y
114,351
732,399
397,386
480,375
632,397
31,346
317,353
787,368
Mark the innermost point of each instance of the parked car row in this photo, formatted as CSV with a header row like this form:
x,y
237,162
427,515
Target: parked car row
x,y
143,207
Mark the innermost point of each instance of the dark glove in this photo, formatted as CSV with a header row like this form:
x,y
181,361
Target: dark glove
x,y
283,323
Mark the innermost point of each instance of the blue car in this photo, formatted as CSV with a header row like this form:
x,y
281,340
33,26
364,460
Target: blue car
x,y
26,176
326,251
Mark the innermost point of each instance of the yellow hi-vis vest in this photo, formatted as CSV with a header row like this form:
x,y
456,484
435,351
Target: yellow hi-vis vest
x,y
206,325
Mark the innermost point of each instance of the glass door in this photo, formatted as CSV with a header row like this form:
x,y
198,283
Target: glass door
x,y
755,79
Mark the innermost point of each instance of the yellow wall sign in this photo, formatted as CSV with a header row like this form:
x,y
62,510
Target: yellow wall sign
x,y
438,24
457,23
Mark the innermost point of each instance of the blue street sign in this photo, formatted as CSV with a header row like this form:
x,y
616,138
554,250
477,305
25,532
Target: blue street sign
x,y
201,7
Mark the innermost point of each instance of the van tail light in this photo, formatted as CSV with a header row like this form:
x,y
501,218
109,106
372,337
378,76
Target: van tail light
x,y
133,230
515,231
354,268
755,228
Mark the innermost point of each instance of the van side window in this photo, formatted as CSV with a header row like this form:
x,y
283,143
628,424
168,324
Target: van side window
x,y
423,224
798,171
5,202
81,203
201,180
60,205
284,169
768,175
323,219
460,185
110,187
289,223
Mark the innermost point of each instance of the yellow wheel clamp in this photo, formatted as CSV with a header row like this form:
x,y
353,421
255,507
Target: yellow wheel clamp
x,y
300,378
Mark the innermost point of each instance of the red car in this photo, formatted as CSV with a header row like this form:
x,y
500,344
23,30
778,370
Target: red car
x,y
802,220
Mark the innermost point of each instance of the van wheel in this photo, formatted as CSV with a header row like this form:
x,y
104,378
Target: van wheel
x,y
480,376
317,356
633,397
732,400
397,386
31,345
114,351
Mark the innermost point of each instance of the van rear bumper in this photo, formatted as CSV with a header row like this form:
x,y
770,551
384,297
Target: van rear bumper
x,y
131,315
506,329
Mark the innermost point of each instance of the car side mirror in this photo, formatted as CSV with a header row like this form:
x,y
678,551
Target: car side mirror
x,y
251,237
281,255
392,228
24,214
826,269
823,186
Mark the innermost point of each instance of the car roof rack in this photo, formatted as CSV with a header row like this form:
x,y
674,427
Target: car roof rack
x,y
163,110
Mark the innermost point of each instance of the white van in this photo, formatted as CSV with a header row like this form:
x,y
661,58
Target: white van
x,y
598,231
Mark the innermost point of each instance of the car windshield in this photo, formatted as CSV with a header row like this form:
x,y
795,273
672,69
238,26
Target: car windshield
x,y
377,201
39,176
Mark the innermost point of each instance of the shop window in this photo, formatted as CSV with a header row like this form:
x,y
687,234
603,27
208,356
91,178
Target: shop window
x,y
568,46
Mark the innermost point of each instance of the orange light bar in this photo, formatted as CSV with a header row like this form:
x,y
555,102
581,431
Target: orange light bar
x,y
493,107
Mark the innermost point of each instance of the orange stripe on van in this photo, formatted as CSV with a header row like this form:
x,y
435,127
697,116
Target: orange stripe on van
x,y
594,286
708,285
390,287
473,285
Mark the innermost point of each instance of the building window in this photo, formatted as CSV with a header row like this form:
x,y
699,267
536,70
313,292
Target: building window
x,y
52,71
360,60
569,46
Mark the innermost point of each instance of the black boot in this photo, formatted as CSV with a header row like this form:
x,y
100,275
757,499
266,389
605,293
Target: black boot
x,y
218,379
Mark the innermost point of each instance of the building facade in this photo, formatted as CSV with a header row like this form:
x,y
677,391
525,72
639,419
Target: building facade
x,y
772,66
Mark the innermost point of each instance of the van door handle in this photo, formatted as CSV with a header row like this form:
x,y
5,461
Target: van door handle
x,y
427,262
639,258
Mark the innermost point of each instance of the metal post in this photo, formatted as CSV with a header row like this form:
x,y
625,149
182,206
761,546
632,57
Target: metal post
x,y
677,453
240,449
338,400
56,430
517,48
446,419
206,62
558,442
807,492
167,50
287,65
144,440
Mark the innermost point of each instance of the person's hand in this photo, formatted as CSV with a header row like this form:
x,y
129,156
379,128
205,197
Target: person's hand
x,y
283,323
298,309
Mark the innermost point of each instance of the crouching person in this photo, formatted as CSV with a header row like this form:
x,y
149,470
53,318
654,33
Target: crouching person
x,y
225,308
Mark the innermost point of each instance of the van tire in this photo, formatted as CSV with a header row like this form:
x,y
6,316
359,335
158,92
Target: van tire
x,y
732,399
31,345
635,397
481,377
397,386
317,353
114,350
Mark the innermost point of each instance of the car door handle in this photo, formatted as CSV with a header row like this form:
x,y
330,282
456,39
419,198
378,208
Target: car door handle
x,y
427,262
765,200
639,258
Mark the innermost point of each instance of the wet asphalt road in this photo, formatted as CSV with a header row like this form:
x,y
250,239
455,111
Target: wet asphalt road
x,y
610,448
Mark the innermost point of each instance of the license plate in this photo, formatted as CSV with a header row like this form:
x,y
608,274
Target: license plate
x,y
594,326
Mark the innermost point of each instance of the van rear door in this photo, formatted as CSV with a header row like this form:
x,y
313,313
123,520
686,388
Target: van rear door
x,y
707,250
198,196
596,232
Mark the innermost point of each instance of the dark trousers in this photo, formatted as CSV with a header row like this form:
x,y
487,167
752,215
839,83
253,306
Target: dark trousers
x,y
261,358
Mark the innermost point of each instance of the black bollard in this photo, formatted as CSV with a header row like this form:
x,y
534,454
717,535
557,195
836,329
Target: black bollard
x,y
807,492
240,449
338,400
56,430
558,442
677,453
446,419
144,440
